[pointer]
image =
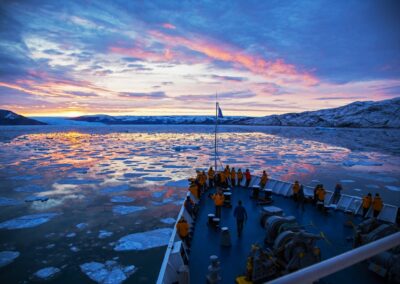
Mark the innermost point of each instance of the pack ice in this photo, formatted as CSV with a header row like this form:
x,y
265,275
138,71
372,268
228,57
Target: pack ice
x,y
28,221
144,240
47,273
109,272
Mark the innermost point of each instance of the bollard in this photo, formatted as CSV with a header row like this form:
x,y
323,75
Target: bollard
x,y
225,237
215,222
213,276
227,201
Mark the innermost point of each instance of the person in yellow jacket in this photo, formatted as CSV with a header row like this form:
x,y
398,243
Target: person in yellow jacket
x,y
366,204
264,180
233,177
296,189
377,205
182,228
321,197
211,176
219,202
239,177
227,170
194,189
223,179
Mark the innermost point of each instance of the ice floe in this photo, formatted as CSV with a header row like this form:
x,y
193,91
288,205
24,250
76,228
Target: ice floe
x,y
351,163
30,188
122,199
6,257
47,273
115,188
393,187
70,235
144,240
133,175
168,221
5,201
74,181
81,226
149,178
185,148
36,198
109,272
127,209
104,234
177,183
28,221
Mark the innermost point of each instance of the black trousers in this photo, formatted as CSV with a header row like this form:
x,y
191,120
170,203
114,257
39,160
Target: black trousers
x,y
218,211
240,181
248,182
211,182
365,211
376,213
239,224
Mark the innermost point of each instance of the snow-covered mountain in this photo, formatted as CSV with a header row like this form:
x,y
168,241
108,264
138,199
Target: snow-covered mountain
x,y
380,114
11,118
186,119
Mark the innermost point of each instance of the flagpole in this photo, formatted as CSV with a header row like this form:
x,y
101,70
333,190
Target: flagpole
x,y
215,132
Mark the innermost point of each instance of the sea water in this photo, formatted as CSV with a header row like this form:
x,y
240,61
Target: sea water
x,y
98,203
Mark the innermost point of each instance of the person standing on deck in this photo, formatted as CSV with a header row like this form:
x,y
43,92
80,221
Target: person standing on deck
x,y
377,205
366,204
316,190
227,173
337,193
223,180
183,230
240,177
233,177
264,180
248,177
201,181
204,177
301,197
241,217
219,202
321,197
211,176
296,189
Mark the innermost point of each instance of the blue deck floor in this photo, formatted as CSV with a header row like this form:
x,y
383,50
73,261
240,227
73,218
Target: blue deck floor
x,y
206,241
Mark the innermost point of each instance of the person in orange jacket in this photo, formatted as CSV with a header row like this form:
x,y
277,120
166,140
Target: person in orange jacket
x,y
219,202
321,196
296,189
366,204
239,177
233,177
211,176
183,230
264,180
248,177
377,205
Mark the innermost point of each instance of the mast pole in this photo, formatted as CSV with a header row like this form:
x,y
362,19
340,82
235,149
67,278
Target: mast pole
x,y
215,132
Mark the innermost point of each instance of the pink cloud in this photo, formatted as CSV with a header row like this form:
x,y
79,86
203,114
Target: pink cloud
x,y
169,26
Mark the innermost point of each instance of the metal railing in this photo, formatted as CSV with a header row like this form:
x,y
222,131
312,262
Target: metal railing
x,y
339,262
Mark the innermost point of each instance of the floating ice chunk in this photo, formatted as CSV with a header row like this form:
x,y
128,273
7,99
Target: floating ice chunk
x,y
27,177
372,186
115,188
133,175
168,221
393,187
81,226
144,240
346,180
357,189
30,188
74,249
6,257
36,198
351,163
185,148
47,273
108,273
157,194
4,201
104,234
122,199
71,235
126,209
178,183
50,246
156,178
28,221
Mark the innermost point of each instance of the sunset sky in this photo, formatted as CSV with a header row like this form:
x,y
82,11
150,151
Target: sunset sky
x,y
68,58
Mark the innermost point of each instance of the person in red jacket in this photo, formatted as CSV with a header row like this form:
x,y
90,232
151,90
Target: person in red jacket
x,y
248,177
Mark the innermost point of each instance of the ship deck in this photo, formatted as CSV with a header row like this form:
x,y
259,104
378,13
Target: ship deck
x,y
206,240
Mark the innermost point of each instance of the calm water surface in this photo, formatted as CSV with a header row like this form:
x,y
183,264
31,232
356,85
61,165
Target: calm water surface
x,y
96,178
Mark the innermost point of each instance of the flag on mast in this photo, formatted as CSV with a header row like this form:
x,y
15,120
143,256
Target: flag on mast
x,y
220,115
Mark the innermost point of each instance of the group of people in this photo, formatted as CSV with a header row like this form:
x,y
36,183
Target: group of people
x,y
228,176
376,203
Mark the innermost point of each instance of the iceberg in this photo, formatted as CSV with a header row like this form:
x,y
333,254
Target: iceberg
x,y
125,209
6,257
28,221
144,240
47,273
107,273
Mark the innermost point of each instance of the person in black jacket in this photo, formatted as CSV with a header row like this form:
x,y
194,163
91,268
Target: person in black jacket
x,y
241,217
